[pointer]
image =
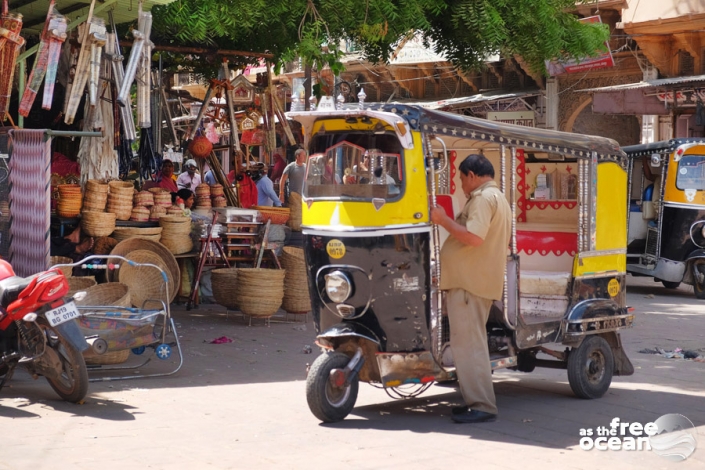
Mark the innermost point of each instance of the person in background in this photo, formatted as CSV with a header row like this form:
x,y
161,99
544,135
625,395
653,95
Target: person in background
x,y
265,188
189,179
165,178
278,169
209,178
294,173
185,198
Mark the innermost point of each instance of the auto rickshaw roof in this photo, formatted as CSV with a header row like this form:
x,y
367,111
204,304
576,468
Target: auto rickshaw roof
x,y
460,126
663,146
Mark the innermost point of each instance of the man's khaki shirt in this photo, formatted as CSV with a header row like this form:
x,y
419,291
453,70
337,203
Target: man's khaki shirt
x,y
479,270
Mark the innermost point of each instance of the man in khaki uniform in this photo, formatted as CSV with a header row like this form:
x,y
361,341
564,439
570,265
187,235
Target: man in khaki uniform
x,y
473,260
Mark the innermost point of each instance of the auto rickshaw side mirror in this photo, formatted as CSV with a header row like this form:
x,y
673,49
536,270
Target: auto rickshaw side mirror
x,y
655,160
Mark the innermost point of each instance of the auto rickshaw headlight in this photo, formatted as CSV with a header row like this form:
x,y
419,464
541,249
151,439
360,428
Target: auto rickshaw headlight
x,y
702,231
338,286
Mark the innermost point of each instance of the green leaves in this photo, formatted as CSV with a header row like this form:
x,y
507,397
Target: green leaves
x,y
465,31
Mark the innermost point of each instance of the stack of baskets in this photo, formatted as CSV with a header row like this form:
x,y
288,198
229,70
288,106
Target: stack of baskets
x,y
69,200
144,198
125,247
147,233
278,215
259,292
218,196
296,296
120,199
223,282
162,197
176,233
203,196
67,270
98,224
140,214
96,196
156,211
175,210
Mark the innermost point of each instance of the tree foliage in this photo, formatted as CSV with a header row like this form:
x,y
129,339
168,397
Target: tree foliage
x,y
465,31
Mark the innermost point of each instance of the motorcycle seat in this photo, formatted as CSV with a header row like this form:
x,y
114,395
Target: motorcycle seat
x,y
11,287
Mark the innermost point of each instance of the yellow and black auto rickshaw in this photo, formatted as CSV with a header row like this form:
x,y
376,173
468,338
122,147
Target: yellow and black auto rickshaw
x,y
372,254
667,212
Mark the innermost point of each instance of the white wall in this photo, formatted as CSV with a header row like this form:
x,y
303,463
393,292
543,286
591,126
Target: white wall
x,y
640,11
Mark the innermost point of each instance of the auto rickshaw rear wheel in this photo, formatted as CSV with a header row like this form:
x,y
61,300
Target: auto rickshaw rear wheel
x,y
590,368
699,278
328,402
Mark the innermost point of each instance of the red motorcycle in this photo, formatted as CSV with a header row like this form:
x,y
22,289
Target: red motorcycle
x,y
38,331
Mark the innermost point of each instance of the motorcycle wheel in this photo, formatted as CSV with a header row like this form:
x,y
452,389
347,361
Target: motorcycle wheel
x,y
72,385
327,402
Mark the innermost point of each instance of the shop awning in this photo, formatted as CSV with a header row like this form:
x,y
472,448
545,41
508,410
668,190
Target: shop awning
x,y
647,96
468,101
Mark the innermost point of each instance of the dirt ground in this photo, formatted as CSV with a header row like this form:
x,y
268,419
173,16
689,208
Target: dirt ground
x,y
242,405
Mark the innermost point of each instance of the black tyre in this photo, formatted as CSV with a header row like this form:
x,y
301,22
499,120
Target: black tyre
x,y
670,285
699,278
327,402
72,385
590,368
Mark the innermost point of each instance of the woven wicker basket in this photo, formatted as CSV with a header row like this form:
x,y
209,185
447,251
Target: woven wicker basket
x,y
149,233
121,187
259,292
79,283
296,295
113,294
97,186
177,244
67,270
98,224
131,244
278,215
144,198
110,357
144,282
223,282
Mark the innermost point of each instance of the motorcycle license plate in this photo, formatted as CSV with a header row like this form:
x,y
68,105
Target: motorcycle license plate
x,y
62,314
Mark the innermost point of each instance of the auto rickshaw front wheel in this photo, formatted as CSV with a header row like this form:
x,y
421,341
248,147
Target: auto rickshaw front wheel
x,y
328,401
590,368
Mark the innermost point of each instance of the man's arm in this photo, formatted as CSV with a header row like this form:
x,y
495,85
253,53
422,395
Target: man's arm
x,y
269,192
439,216
282,186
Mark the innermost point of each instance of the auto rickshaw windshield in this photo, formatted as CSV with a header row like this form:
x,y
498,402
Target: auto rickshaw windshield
x,y
691,172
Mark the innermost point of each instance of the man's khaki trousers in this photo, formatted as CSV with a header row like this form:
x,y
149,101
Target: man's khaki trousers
x,y
468,340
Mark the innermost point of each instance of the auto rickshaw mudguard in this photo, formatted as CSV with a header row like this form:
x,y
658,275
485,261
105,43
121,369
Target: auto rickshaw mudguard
x,y
622,364
347,338
594,308
346,330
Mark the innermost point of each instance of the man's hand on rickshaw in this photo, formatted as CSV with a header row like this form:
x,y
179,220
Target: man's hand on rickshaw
x,y
439,216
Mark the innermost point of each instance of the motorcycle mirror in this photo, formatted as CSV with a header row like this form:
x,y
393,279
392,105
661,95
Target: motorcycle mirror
x,y
30,317
78,296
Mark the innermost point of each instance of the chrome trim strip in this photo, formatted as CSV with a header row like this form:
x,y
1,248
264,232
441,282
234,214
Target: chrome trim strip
x,y
682,205
331,231
593,253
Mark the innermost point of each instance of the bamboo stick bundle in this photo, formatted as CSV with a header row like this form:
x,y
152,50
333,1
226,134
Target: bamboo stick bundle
x,y
222,180
10,44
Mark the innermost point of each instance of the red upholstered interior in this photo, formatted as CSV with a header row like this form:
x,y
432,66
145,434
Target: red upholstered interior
x,y
542,243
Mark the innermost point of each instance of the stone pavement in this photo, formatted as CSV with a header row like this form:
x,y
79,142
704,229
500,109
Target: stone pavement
x,y
242,405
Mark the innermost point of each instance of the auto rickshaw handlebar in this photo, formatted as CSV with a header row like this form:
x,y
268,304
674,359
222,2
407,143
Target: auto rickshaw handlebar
x,y
444,167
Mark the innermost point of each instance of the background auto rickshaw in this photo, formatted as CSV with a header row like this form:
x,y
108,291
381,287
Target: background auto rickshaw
x,y
372,253
667,212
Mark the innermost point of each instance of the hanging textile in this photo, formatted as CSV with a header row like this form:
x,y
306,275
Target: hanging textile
x,y
10,44
30,173
46,63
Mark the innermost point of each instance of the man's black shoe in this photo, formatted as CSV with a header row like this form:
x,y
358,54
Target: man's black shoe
x,y
458,410
473,416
